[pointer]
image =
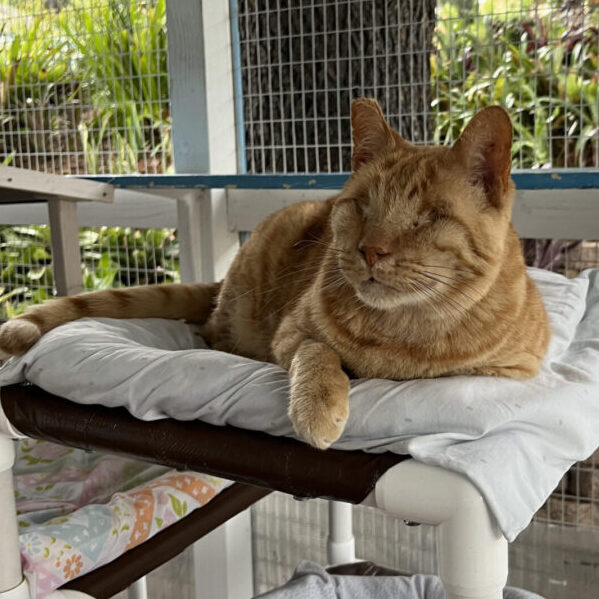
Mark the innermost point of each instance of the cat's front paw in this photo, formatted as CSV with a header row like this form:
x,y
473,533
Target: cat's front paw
x,y
17,336
319,409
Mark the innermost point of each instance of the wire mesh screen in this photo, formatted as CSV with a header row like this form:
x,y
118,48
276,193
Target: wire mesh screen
x,y
25,267
430,64
110,257
556,562
576,499
84,86
567,257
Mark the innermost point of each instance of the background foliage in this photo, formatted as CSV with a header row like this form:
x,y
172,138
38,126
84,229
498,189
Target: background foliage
x,y
537,59
110,256
85,88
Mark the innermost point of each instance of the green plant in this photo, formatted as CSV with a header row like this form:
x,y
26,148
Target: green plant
x,y
25,267
537,59
110,257
123,256
85,87
38,92
121,54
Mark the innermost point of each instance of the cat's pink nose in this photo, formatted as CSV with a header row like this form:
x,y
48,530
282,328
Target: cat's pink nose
x,y
373,254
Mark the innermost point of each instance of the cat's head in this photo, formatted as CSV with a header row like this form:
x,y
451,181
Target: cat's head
x,y
428,224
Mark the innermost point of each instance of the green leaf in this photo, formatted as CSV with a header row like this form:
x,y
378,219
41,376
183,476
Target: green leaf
x,y
179,508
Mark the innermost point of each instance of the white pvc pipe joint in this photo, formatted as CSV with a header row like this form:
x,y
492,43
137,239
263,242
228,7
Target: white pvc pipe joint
x,y
11,575
341,547
21,591
472,552
12,583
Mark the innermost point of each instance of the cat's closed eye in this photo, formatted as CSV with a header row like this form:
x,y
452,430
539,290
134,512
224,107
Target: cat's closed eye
x,y
438,214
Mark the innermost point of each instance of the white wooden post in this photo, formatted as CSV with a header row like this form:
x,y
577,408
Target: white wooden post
x,y
204,141
18,186
10,564
66,259
203,115
191,238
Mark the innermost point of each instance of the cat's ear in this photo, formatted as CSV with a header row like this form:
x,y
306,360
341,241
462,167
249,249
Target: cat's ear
x,y
485,148
370,132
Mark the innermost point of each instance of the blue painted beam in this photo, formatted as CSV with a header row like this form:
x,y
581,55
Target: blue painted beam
x,y
315,181
537,179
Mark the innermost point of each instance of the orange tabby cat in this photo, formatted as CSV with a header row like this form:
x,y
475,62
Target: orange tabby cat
x,y
413,270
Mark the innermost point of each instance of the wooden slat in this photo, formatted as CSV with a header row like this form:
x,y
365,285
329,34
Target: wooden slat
x,y
249,207
572,214
46,186
195,264
540,214
130,209
66,259
557,214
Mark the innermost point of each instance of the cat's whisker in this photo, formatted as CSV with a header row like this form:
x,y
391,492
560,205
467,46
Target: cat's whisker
x,y
313,267
441,314
272,290
281,387
305,242
334,284
453,268
284,389
474,301
434,301
242,364
459,281
313,272
434,278
413,287
441,311
448,301
295,298
262,383
313,264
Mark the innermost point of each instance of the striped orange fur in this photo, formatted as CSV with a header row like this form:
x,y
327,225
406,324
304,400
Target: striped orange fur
x,y
413,270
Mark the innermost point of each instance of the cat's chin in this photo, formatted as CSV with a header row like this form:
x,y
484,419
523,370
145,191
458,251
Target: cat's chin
x,y
378,295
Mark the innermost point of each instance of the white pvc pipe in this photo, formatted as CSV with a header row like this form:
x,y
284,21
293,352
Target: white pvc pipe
x,y
21,591
138,590
472,552
222,561
10,562
68,595
340,542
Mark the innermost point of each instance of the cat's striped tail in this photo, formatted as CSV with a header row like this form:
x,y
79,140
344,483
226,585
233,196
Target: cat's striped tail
x,y
193,302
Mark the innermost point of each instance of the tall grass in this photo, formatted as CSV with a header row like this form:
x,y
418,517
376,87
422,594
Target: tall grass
x,y
85,88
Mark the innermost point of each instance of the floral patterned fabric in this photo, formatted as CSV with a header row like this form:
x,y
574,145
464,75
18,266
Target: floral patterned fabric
x,y
79,510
